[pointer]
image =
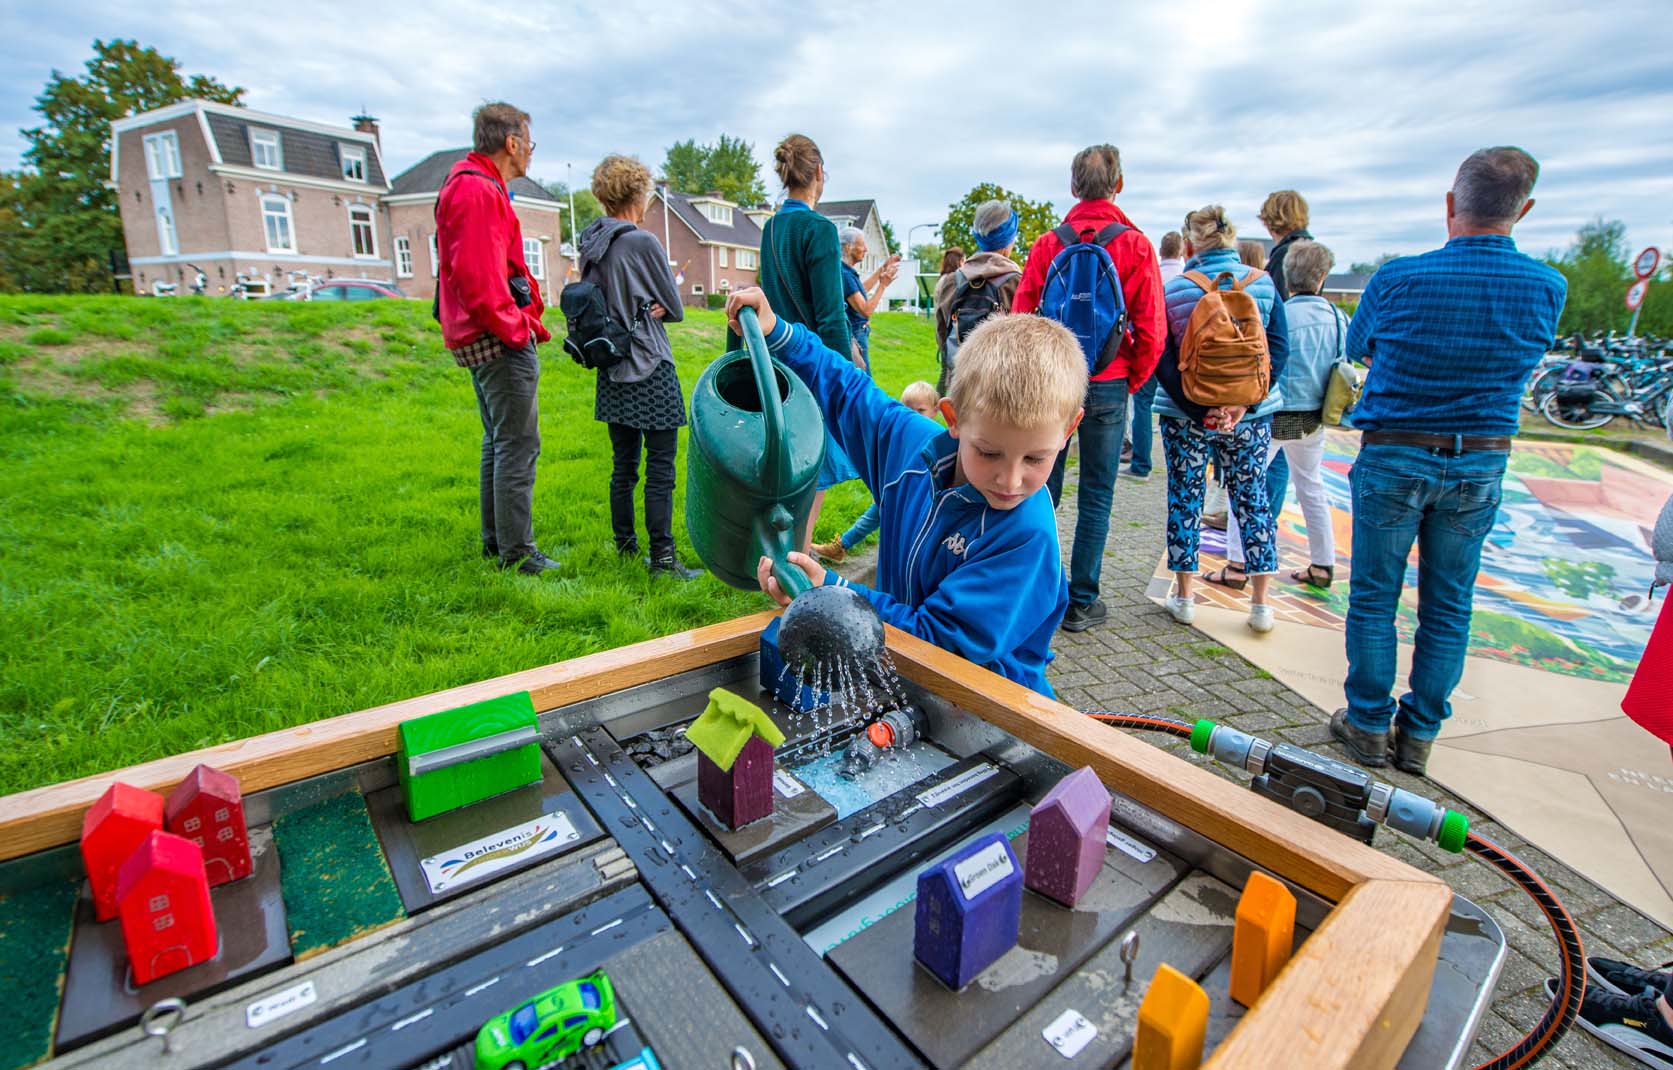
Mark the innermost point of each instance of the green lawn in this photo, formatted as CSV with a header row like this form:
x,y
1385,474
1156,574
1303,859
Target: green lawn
x,y
221,518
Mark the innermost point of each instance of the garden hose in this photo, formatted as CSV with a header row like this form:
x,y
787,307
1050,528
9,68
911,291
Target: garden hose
x,y
1424,819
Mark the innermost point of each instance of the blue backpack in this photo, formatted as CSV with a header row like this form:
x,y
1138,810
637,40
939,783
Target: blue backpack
x,y
1083,292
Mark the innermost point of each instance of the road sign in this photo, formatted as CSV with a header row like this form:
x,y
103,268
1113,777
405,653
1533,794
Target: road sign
x,y
1647,261
1635,293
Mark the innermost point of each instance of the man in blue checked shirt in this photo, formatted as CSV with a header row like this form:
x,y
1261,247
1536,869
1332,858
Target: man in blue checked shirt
x,y
1450,337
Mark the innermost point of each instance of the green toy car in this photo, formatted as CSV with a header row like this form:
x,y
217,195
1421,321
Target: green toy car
x,y
553,1025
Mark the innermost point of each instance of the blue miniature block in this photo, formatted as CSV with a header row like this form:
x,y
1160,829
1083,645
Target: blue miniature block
x,y
969,909
784,686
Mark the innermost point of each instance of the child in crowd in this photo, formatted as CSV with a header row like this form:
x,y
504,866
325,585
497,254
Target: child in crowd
x,y
922,399
969,558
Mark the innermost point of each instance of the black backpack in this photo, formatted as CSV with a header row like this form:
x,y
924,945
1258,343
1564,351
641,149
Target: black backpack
x,y
596,339
972,301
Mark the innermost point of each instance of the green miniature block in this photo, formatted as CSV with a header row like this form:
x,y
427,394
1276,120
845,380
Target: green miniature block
x,y
454,758
728,722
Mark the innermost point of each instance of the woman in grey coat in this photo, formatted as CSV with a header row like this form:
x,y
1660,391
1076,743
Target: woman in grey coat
x,y
638,398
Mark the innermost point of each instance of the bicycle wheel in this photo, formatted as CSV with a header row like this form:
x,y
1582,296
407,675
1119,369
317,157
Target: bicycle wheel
x,y
1575,412
1541,384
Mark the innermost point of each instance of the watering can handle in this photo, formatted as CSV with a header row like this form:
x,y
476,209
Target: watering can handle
x,y
775,529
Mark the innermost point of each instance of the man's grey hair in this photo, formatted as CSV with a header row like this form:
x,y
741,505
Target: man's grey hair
x,y
1305,266
990,216
494,122
1492,186
1095,172
849,235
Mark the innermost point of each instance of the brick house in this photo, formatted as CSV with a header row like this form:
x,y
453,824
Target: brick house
x,y
713,245
862,214
233,191
411,201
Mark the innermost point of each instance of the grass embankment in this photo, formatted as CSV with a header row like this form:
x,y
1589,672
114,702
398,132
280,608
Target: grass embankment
x,y
223,518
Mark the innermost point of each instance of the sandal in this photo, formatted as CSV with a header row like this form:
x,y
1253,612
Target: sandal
x,y
1311,576
1225,578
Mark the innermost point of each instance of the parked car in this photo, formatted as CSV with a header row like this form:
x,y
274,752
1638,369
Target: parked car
x,y
354,290
553,1025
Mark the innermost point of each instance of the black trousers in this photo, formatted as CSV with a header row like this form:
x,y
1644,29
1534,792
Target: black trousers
x,y
660,448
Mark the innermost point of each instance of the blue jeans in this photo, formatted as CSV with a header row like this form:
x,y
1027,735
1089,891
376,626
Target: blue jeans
x,y
1101,432
863,527
1143,433
1447,503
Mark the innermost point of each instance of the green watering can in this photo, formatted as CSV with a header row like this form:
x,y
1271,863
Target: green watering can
x,y
757,441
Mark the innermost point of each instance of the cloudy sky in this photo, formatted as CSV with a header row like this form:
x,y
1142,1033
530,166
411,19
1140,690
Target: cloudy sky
x,y
1366,112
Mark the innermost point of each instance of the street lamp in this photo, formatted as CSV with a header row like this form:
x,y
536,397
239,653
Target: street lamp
x,y
909,232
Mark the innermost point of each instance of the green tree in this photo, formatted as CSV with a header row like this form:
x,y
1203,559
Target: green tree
x,y
1595,265
889,238
1036,217
728,166
67,222
928,255
587,208
1369,267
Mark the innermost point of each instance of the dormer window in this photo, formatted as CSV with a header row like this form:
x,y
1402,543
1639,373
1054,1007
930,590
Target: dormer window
x,y
354,163
718,213
264,150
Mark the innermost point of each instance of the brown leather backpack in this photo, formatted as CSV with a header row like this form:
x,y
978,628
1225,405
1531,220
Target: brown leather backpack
x,y
1223,358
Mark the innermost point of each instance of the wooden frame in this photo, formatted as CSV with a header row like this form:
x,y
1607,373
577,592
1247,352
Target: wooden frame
x,y
1352,996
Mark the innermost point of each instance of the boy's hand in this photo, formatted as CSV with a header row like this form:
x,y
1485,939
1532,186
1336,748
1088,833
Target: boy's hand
x,y
764,574
657,311
752,297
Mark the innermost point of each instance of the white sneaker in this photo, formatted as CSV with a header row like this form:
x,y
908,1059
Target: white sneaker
x,y
1184,610
1260,618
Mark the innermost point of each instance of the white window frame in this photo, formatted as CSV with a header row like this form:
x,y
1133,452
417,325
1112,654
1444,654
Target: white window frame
x,y
697,289
262,138
723,256
354,163
435,258
403,257
281,203
718,213
725,285
534,258
168,239
370,222
747,259
162,155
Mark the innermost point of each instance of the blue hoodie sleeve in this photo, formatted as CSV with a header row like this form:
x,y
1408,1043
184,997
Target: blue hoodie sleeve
x,y
868,424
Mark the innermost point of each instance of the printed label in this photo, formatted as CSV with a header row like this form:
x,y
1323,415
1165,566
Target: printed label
x,y
500,850
272,1008
1129,846
786,785
983,870
947,789
1069,1032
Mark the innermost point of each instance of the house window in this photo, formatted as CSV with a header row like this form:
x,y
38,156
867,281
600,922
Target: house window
x,y
746,259
162,921
156,903
166,240
435,261
354,163
697,289
264,150
403,257
534,257
222,814
723,256
725,284
362,232
192,824
162,155
275,219
718,213
225,834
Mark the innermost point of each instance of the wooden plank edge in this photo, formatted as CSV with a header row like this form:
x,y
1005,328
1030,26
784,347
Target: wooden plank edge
x,y
1353,995
48,816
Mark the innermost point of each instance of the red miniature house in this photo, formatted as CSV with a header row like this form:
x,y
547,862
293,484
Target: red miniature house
x,y
163,896
734,740
208,809
114,826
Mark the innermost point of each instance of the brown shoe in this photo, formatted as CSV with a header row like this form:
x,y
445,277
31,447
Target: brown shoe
x,y
832,553
1369,749
1409,755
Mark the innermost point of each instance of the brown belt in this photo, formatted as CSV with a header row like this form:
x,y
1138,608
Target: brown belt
x,y
1431,441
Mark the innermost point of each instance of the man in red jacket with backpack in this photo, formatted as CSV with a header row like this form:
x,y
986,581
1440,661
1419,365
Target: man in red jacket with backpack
x,y
1120,358
489,312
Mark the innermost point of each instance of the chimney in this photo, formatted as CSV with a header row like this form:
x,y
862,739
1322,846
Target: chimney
x,y
367,124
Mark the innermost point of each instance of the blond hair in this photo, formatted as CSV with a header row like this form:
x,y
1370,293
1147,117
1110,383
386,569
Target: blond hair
x,y
620,181
1284,211
1025,371
1208,228
1251,252
920,393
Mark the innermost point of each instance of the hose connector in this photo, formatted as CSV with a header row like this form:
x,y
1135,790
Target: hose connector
x,y
1416,816
1228,745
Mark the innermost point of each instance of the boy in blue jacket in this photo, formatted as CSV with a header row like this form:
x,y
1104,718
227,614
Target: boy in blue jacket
x,y
969,557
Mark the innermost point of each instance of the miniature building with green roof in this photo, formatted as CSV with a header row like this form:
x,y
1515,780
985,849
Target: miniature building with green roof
x,y
734,739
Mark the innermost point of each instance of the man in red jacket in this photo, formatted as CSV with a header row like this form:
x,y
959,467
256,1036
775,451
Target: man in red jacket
x,y
1095,179
490,321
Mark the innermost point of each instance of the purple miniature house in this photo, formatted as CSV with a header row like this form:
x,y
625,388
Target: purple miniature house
x,y
968,912
734,740
1066,837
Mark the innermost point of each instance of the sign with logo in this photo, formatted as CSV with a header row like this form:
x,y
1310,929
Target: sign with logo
x,y
490,854
279,1004
1647,262
983,870
1635,293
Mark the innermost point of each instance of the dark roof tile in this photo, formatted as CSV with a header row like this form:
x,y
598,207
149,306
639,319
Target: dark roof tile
x,y
742,231
303,152
427,175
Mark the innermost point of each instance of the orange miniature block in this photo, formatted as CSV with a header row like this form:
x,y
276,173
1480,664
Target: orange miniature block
x,y
1172,1021
1263,938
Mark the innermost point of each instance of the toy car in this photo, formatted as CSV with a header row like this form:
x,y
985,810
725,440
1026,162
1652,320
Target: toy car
x,y
553,1025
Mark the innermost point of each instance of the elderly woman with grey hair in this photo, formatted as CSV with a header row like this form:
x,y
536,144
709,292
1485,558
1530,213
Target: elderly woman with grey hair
x,y
862,297
984,285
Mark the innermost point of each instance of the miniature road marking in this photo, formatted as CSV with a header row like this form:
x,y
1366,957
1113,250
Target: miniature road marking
x,y
342,1051
629,800
783,980
712,899
610,779
688,871
854,1061
749,938
829,851
666,846
879,827
774,882
491,982
606,927
818,1021
643,820
419,1017
538,959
